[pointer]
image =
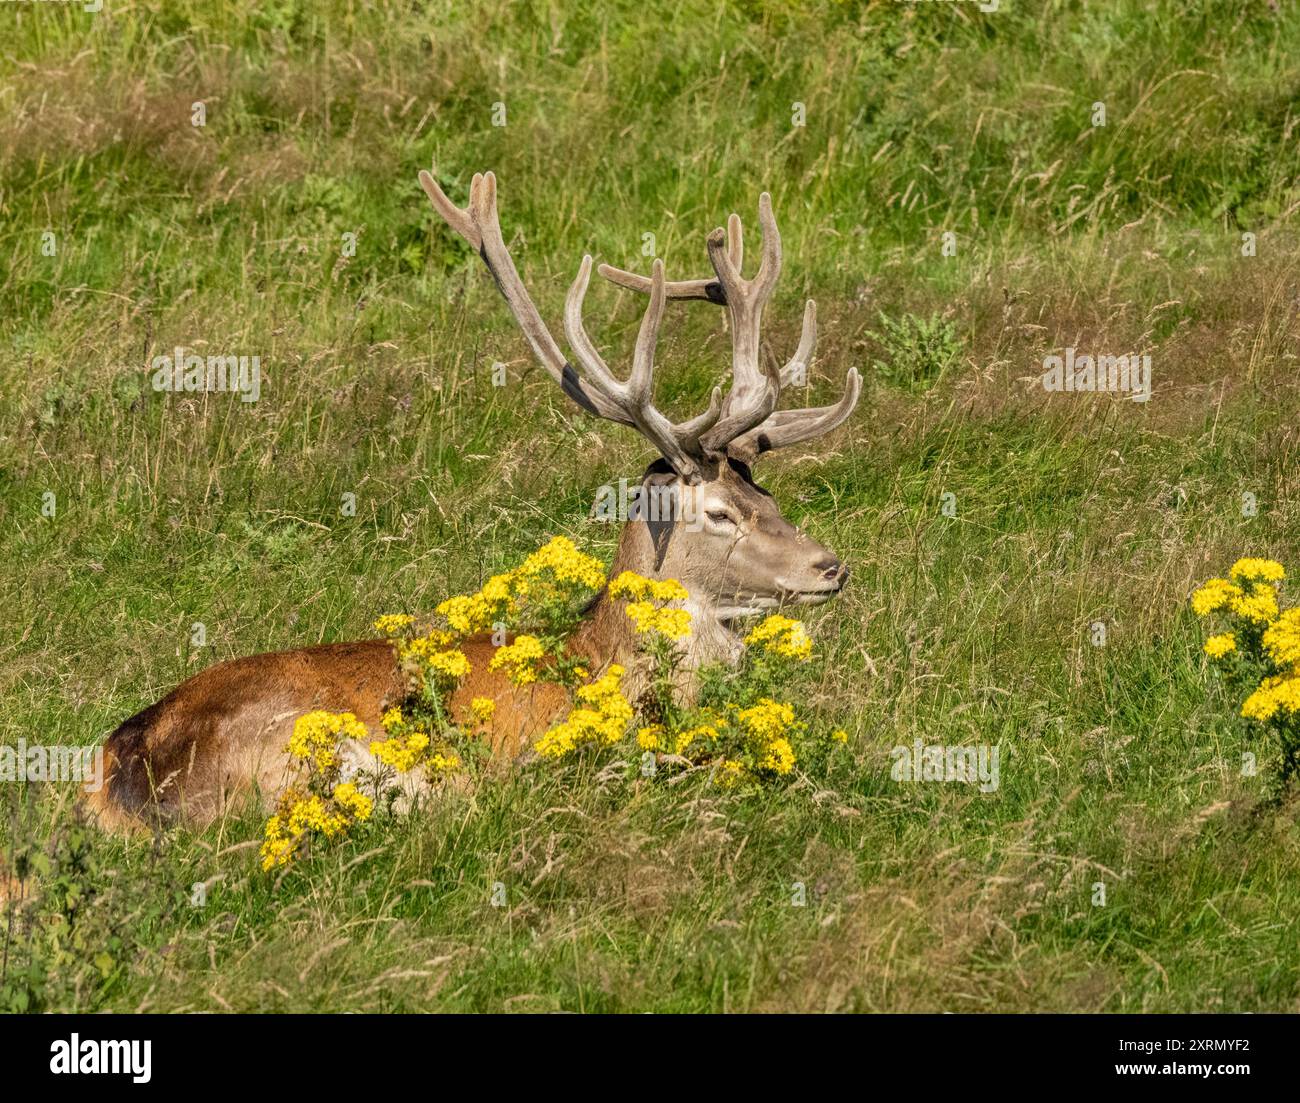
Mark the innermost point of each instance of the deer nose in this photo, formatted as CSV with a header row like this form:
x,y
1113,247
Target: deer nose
x,y
831,568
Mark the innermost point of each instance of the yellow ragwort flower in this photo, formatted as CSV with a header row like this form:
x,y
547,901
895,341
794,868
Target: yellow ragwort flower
x,y
568,565
1223,644
402,753
600,717
482,710
1214,595
452,665
768,719
1281,693
1260,605
1258,570
316,736
781,636
439,763
648,618
1282,639
355,803
520,659
650,738
629,584
422,647
779,757
701,733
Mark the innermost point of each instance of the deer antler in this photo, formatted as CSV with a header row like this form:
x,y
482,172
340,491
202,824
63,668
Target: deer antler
x,y
599,393
679,444
750,423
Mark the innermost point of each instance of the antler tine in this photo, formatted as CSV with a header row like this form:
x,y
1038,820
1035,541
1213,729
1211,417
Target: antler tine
x,y
479,226
792,426
709,290
800,362
459,220
754,389
702,423
769,268
640,382
735,241
679,444
593,367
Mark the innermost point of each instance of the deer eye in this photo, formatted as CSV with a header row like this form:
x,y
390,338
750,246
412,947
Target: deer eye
x,y
720,517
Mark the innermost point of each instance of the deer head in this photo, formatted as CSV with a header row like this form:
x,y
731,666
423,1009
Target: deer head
x,y
722,535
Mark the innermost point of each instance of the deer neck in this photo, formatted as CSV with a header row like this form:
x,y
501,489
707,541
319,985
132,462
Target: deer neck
x,y
607,635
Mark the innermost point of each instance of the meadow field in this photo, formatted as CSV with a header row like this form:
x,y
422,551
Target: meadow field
x,y
951,196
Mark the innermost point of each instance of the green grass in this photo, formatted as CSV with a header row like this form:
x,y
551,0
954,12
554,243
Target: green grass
x,y
1120,764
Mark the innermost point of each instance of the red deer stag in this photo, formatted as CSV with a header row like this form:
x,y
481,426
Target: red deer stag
x,y
224,731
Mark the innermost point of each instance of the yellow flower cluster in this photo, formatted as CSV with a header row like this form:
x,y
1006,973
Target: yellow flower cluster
x,y
1223,644
768,719
520,659
600,717
698,739
1263,636
779,757
1213,596
442,762
651,737
452,665
423,647
1282,639
647,617
782,636
353,802
1280,694
560,558
769,725
482,709
557,569
315,740
277,847
407,747
629,584
1258,604
392,623
1258,570
433,651
753,743
401,752
646,607
298,815
445,664
494,603
316,737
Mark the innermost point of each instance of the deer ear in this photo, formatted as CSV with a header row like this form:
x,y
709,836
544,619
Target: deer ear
x,y
744,451
661,474
740,464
